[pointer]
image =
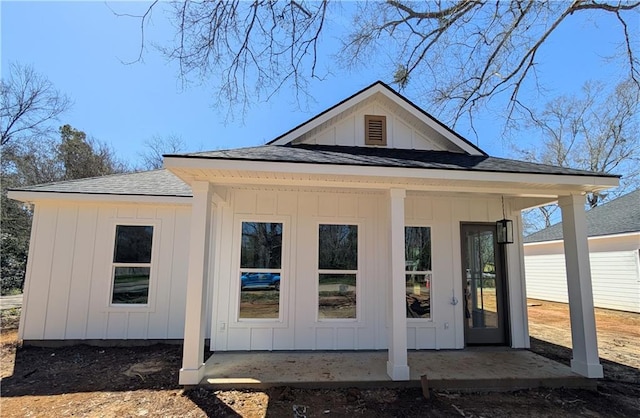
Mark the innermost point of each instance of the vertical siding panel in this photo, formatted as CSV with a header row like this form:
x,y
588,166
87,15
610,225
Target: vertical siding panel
x,y
345,133
423,209
346,339
137,325
447,274
165,239
226,292
81,273
462,210
146,212
382,267
126,212
117,325
179,269
266,204
327,205
100,291
61,269
287,203
40,282
348,206
303,302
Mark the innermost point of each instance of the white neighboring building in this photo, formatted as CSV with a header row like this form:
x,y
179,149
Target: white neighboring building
x,y
371,226
614,251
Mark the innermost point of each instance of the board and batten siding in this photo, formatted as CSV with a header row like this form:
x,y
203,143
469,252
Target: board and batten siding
x,y
68,279
350,131
615,277
301,211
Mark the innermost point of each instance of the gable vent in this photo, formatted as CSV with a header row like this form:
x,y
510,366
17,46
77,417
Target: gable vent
x,y
375,130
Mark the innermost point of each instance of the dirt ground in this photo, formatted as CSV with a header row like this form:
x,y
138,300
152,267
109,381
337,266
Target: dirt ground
x,y
142,381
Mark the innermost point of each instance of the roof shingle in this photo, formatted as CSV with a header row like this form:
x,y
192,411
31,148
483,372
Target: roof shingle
x,y
618,216
146,183
384,157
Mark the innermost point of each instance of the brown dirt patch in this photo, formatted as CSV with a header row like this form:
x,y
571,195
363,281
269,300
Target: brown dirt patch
x,y
142,381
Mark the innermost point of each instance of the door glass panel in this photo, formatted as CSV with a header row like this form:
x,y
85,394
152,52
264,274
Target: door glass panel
x,y
481,309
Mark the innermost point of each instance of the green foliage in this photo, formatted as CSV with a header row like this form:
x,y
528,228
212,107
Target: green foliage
x,y
37,160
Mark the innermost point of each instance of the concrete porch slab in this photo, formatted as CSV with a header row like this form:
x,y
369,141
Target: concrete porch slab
x,y
488,369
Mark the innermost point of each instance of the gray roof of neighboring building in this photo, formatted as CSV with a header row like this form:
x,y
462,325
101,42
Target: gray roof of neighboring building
x,y
384,157
146,183
618,216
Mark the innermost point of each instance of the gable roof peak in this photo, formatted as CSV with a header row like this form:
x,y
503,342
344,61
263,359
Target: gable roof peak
x,y
382,88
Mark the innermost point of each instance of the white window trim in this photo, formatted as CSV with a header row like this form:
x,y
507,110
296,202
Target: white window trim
x,y
153,266
358,273
234,306
430,320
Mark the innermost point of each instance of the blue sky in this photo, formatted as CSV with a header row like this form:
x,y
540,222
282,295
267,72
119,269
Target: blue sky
x,y
81,46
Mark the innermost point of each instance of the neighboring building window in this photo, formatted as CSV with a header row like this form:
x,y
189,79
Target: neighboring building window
x,y
260,270
375,130
337,271
418,271
132,265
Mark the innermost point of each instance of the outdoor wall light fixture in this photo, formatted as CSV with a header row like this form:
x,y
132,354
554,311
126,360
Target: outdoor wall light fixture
x,y
505,228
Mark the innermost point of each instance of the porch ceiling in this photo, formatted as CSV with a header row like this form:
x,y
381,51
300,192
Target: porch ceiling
x,y
381,178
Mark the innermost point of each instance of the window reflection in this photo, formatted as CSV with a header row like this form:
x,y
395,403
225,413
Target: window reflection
x,y
260,270
338,268
418,274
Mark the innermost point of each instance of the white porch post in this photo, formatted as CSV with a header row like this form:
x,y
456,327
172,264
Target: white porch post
x,y
397,367
585,359
192,370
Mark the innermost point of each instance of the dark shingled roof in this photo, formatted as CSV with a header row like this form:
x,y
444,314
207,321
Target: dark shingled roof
x,y
164,183
145,183
618,216
384,157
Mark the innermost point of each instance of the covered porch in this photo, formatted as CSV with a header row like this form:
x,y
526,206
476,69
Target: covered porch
x,y
475,369
381,202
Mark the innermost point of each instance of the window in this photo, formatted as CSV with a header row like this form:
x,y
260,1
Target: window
x,y
260,270
337,271
418,273
131,264
375,130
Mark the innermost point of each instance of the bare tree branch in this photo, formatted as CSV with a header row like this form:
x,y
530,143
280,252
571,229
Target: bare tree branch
x,y
465,52
595,131
29,103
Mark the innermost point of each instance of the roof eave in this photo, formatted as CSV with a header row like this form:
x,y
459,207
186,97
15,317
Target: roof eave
x,y
596,182
35,196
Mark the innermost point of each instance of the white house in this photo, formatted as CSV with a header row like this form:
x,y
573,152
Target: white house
x,y
614,250
372,226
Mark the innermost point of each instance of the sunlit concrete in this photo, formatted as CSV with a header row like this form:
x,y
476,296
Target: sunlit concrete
x,y
471,369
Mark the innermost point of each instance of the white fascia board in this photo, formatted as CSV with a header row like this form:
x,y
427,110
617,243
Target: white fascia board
x,y
33,197
395,172
328,115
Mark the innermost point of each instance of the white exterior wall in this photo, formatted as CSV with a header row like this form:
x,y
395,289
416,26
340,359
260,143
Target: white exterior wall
x,y
350,131
301,211
615,270
68,279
